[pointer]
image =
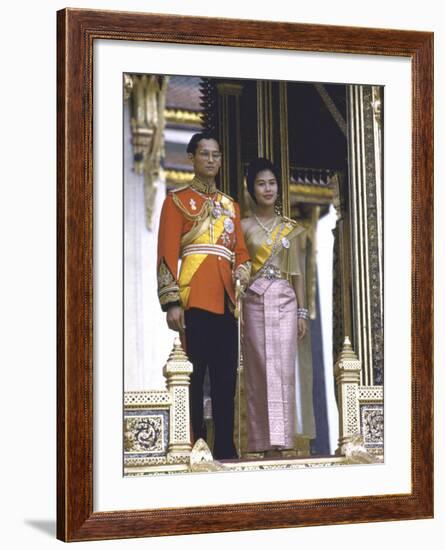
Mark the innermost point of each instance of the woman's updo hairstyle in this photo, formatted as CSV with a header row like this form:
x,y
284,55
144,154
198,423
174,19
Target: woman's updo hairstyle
x,y
258,165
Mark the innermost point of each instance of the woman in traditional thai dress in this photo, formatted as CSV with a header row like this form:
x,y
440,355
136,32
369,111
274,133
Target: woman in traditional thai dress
x,y
274,315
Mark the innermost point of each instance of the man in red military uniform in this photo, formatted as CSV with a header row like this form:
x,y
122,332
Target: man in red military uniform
x,y
200,226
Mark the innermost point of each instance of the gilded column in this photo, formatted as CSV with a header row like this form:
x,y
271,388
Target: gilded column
x,y
265,119
284,146
272,124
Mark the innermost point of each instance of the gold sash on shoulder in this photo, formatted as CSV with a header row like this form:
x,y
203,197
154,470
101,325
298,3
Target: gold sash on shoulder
x,y
200,234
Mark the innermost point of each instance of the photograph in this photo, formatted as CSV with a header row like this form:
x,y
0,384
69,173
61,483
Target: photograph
x,y
244,230
221,231
253,274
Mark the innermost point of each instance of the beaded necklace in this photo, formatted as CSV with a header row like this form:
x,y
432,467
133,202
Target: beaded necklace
x,y
267,230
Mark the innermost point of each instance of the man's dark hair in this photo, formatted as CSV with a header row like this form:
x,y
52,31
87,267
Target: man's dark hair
x,y
196,138
258,165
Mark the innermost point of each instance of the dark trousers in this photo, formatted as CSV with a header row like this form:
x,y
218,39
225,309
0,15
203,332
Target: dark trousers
x,y
212,342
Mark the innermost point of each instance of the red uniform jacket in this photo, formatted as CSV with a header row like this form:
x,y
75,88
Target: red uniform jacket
x,y
204,232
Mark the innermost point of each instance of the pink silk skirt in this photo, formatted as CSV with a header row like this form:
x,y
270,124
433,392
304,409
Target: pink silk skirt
x,y
270,333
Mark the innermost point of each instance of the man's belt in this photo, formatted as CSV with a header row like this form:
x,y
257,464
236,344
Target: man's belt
x,y
212,249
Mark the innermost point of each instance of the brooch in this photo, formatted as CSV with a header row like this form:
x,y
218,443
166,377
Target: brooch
x,y
285,242
193,204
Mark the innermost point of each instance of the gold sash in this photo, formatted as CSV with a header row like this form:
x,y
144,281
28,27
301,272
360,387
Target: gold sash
x,y
200,234
263,251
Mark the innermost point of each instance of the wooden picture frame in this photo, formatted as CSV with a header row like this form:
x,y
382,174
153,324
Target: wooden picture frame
x,y
77,31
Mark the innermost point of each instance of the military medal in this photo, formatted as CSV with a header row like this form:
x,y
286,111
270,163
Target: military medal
x,y
193,204
217,210
228,225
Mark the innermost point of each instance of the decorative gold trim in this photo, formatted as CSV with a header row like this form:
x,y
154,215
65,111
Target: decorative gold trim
x,y
180,116
265,119
311,270
366,231
177,177
147,94
360,291
311,191
284,145
203,187
378,156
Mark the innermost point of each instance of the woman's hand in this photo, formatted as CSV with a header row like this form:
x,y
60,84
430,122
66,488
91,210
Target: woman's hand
x,y
302,328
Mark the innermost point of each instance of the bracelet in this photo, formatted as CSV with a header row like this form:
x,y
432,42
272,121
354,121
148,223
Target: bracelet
x,y
303,313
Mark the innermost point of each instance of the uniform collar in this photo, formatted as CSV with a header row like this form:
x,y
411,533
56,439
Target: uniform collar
x,y
201,187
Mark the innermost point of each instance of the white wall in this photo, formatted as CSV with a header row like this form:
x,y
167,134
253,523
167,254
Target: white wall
x,y
28,302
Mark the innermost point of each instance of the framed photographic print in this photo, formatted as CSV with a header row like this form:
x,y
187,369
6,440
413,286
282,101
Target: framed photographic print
x,y
244,275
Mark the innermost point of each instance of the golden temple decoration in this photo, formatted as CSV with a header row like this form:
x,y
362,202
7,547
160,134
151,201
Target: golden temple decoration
x,y
147,99
311,193
177,177
180,116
